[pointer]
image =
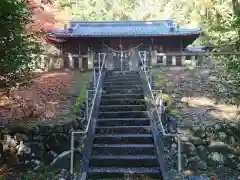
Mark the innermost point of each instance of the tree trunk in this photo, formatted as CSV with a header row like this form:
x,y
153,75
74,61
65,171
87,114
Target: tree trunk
x,y
236,6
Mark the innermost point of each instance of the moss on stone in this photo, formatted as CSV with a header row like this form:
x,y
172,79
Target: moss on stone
x,y
174,112
159,78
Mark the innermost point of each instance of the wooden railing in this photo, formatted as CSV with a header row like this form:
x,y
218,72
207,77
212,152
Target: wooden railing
x,y
75,61
49,62
182,58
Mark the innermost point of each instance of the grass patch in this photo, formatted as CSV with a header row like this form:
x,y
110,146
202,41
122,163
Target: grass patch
x,y
159,78
80,99
166,98
76,95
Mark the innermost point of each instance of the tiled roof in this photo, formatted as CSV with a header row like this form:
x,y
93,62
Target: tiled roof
x,y
124,29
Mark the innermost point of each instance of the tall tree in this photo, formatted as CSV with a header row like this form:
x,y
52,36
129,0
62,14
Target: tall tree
x,y
16,44
236,6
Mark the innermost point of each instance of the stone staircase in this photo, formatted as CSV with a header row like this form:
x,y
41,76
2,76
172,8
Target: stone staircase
x,y
123,146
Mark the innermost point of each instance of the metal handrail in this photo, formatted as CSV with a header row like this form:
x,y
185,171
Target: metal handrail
x,y
89,116
160,120
163,130
155,109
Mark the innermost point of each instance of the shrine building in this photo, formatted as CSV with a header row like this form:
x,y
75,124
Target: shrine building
x,y
121,42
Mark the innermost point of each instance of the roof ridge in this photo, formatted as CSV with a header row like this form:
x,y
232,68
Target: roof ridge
x,y
121,21
125,28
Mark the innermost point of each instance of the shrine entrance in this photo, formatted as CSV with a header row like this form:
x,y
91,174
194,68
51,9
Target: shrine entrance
x,y
127,60
121,61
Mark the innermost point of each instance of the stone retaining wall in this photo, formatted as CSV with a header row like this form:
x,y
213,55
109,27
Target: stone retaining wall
x,y
29,148
213,150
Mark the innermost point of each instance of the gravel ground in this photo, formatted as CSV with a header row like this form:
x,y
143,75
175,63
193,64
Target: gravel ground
x,y
199,99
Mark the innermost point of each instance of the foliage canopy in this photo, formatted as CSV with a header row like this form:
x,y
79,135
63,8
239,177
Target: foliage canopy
x,y
16,44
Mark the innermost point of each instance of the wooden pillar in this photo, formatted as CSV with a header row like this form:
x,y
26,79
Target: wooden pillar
x,y
60,56
203,59
59,60
174,60
50,63
183,58
193,61
80,58
164,60
154,58
70,58
109,61
134,59
80,62
90,59
192,58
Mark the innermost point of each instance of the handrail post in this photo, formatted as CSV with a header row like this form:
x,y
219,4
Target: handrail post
x,y
179,155
72,153
179,151
161,104
151,78
121,63
99,59
86,99
94,78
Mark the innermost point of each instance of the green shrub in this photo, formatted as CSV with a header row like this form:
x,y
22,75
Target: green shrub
x,y
17,45
174,112
166,99
80,99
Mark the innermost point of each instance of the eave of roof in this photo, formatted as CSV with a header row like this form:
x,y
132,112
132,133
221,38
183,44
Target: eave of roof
x,y
138,35
117,29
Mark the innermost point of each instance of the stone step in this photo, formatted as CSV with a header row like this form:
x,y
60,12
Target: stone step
x,y
121,75
123,146
121,82
120,96
129,77
123,129
143,173
122,108
123,114
116,149
121,72
124,139
118,73
123,161
122,91
119,86
124,122
122,79
122,101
